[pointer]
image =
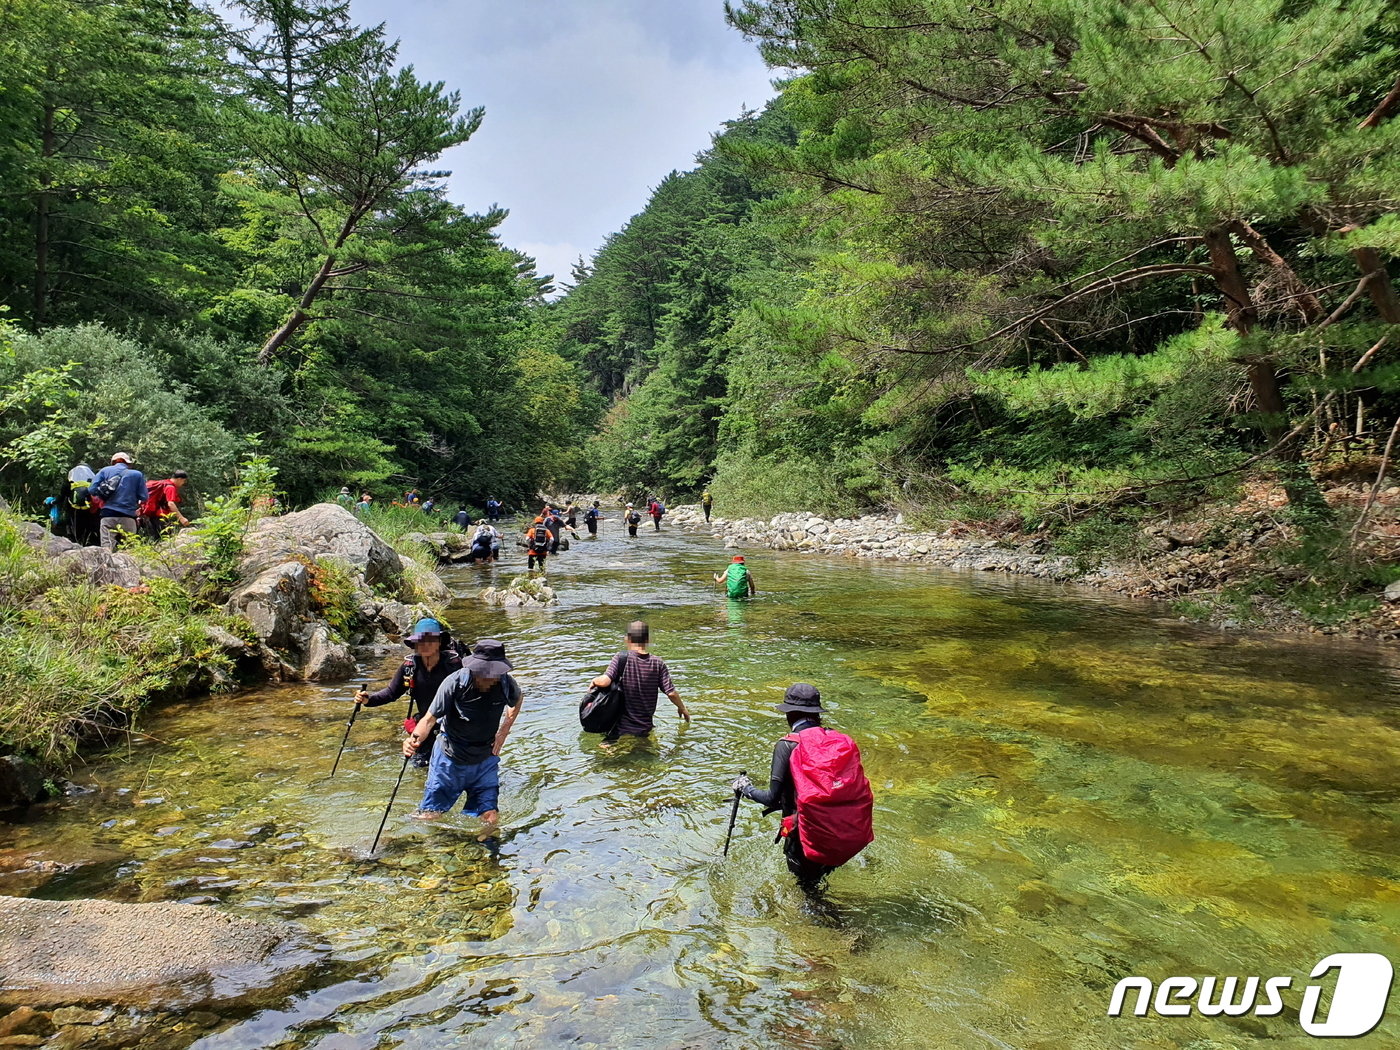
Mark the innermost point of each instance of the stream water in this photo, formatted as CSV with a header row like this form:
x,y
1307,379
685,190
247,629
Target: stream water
x,y
1069,791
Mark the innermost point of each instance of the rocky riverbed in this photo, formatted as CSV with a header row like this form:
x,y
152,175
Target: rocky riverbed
x,y
1189,561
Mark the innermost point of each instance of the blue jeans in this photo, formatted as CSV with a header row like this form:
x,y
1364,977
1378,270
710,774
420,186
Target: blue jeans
x,y
449,778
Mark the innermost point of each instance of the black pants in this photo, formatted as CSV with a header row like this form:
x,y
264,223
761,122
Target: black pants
x,y
592,527
707,512
809,873
656,520
530,561
631,530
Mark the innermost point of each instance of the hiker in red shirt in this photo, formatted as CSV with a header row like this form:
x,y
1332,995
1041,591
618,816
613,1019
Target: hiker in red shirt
x,y
162,507
818,784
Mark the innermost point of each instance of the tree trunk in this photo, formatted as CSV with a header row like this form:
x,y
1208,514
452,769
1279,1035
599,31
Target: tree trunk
x,y
1303,493
298,316
42,205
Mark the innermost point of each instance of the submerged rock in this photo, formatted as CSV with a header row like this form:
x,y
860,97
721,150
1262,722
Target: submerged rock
x,y
521,591
55,953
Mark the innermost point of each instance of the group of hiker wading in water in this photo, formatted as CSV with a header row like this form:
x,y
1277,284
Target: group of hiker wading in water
x,y
463,703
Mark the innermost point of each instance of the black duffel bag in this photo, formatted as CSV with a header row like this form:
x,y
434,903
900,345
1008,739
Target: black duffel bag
x,y
601,709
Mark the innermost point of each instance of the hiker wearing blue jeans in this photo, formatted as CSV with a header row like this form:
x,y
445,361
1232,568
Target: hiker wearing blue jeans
x,y
468,709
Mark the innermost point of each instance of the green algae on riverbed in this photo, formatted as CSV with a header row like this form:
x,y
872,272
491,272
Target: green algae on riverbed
x,y
1069,791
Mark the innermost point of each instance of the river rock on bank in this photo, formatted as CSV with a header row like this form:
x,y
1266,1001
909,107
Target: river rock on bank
x,y
55,953
326,530
278,594
883,536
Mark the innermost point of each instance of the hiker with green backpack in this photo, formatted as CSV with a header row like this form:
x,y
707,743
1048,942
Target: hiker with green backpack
x,y
737,580
819,786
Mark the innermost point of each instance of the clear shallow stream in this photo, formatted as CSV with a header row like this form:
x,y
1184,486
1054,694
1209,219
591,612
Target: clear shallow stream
x,y
1069,791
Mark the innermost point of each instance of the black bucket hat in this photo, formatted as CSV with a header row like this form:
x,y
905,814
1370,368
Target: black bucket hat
x,y
802,698
488,658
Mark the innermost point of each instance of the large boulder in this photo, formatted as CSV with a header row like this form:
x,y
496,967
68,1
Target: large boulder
x,y
277,602
102,567
326,530
59,952
43,540
325,660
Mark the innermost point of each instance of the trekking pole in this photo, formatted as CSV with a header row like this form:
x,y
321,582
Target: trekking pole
x,y
343,740
733,815
390,806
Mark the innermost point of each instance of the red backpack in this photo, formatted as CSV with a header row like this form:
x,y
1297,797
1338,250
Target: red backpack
x,y
834,802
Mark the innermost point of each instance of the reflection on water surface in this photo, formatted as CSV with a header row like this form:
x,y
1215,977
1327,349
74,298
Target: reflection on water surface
x,y
1069,791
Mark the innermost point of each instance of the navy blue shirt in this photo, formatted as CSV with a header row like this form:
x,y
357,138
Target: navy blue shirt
x,y
470,718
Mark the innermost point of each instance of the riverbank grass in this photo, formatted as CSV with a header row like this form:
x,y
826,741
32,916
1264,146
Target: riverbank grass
x,y
79,660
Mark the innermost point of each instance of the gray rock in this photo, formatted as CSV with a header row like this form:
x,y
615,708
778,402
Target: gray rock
x,y
326,659
397,618
102,567
323,530
55,953
21,782
41,539
1392,592
275,602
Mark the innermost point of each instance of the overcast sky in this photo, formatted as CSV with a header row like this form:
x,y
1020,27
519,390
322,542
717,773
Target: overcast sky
x,y
589,104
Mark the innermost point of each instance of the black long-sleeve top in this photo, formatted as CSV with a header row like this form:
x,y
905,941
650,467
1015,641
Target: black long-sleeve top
x,y
425,682
781,794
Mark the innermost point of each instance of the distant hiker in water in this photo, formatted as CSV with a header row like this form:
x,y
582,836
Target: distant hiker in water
x,y
571,515
738,581
657,510
591,517
633,519
493,509
466,759
462,519
818,783
644,676
537,541
706,502
486,544
420,675
121,488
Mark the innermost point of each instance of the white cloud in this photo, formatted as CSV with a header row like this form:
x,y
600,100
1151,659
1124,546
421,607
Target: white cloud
x,y
588,104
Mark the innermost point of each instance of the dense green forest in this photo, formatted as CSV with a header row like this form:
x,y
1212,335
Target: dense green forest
x,y
1026,262
1044,265
224,233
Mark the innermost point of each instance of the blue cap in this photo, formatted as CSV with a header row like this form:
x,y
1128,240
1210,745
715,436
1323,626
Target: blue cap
x,y
424,627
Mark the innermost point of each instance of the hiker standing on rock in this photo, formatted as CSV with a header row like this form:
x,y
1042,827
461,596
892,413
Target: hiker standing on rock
x,y
121,489
420,676
466,759
818,784
644,676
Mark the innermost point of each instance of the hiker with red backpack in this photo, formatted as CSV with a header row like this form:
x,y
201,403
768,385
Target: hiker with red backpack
x,y
819,786
161,510
430,663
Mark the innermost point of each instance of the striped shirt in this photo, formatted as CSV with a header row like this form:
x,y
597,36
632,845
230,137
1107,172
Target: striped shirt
x,y
643,678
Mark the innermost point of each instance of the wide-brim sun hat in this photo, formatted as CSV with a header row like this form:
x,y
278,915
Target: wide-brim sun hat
x,y
488,658
802,698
